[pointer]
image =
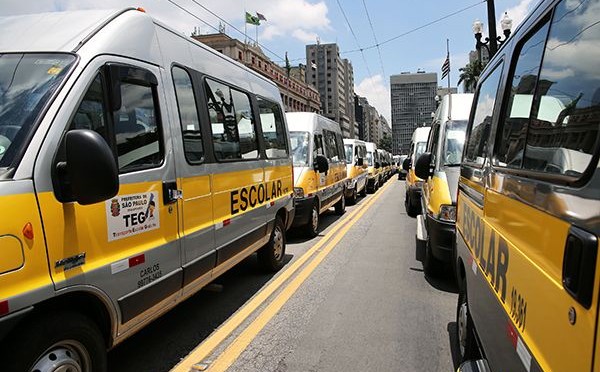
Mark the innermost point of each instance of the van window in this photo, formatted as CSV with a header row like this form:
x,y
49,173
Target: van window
x,y
331,145
513,131
232,122
432,142
136,129
188,116
348,150
273,129
91,113
454,140
299,141
339,141
484,108
27,83
565,122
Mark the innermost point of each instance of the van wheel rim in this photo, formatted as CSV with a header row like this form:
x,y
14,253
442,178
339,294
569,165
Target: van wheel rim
x,y
65,356
462,328
315,219
277,244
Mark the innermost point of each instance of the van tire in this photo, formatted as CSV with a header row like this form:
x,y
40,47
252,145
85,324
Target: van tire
x,y
271,256
465,332
311,229
340,206
363,192
68,337
353,198
431,265
411,210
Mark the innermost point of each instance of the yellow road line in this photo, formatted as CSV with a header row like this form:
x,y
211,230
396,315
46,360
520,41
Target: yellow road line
x,y
218,336
233,351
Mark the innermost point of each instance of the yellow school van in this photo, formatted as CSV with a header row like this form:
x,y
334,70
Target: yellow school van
x,y
528,207
319,168
136,166
373,167
439,167
412,197
356,169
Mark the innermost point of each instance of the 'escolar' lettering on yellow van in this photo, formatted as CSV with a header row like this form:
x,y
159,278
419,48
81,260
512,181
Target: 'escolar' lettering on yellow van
x,y
491,255
251,196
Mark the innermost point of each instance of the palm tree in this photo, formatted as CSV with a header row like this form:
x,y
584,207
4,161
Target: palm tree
x,y
470,75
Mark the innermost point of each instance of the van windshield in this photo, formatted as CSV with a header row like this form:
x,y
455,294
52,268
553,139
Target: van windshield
x,y
420,149
299,141
27,82
348,149
454,142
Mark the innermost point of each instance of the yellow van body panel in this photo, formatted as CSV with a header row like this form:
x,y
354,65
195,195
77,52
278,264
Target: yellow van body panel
x,y
197,203
308,181
73,229
437,193
356,171
24,267
531,290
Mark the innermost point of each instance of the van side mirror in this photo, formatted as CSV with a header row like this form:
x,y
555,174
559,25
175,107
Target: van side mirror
x,y
90,169
377,165
321,164
406,164
423,167
360,162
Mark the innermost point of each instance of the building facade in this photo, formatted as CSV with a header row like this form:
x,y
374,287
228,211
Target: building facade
x,y
333,77
296,94
413,101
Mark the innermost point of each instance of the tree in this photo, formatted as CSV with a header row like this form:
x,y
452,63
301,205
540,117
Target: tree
x,y
385,143
470,75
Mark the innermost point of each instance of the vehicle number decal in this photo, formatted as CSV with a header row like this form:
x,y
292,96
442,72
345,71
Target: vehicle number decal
x,y
518,308
128,215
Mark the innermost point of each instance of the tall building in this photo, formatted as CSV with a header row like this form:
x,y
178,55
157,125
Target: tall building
x,y
333,77
371,125
413,101
296,94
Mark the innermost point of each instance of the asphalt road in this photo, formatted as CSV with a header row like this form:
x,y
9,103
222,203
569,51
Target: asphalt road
x,y
367,306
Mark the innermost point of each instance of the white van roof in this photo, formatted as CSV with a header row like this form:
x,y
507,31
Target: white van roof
x,y
371,146
455,106
420,134
310,122
352,141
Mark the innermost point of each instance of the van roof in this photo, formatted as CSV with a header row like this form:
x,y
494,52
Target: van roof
x,y
310,121
420,134
456,106
62,31
350,141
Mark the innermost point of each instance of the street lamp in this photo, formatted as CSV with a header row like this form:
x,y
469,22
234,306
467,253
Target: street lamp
x,y
492,42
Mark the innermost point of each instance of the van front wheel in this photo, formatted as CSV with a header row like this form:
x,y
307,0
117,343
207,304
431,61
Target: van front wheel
x,y
465,335
271,255
312,227
68,340
340,206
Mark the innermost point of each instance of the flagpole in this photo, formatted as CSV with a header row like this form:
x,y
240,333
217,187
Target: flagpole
x,y
448,56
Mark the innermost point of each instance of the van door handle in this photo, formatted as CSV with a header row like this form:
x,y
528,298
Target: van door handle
x,y
170,192
579,265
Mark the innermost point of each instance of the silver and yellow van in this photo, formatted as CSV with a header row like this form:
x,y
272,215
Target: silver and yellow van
x,y
356,169
528,209
373,167
439,167
319,168
136,166
412,198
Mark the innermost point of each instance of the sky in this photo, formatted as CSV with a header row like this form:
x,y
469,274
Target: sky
x,y
379,37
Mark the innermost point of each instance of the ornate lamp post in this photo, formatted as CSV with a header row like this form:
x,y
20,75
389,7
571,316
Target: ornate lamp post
x,y
492,42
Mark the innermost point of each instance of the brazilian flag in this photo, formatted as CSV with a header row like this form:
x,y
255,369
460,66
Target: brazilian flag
x,y
253,20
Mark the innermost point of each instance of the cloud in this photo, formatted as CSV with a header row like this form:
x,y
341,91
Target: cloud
x,y
378,95
517,13
305,37
300,18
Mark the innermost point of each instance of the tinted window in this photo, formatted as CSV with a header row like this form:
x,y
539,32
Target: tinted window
x,y
565,120
512,135
91,113
232,122
273,129
348,150
484,108
136,129
188,116
454,140
331,145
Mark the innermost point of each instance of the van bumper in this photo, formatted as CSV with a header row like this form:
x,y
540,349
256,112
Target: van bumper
x,y
441,237
303,208
9,322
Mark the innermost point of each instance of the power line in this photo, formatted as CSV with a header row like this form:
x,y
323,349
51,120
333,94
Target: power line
x,y
355,39
374,37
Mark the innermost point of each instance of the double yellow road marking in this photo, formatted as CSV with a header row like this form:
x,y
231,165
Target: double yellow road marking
x,y
233,351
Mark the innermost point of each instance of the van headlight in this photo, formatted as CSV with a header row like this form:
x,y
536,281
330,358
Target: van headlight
x,y
298,192
447,213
